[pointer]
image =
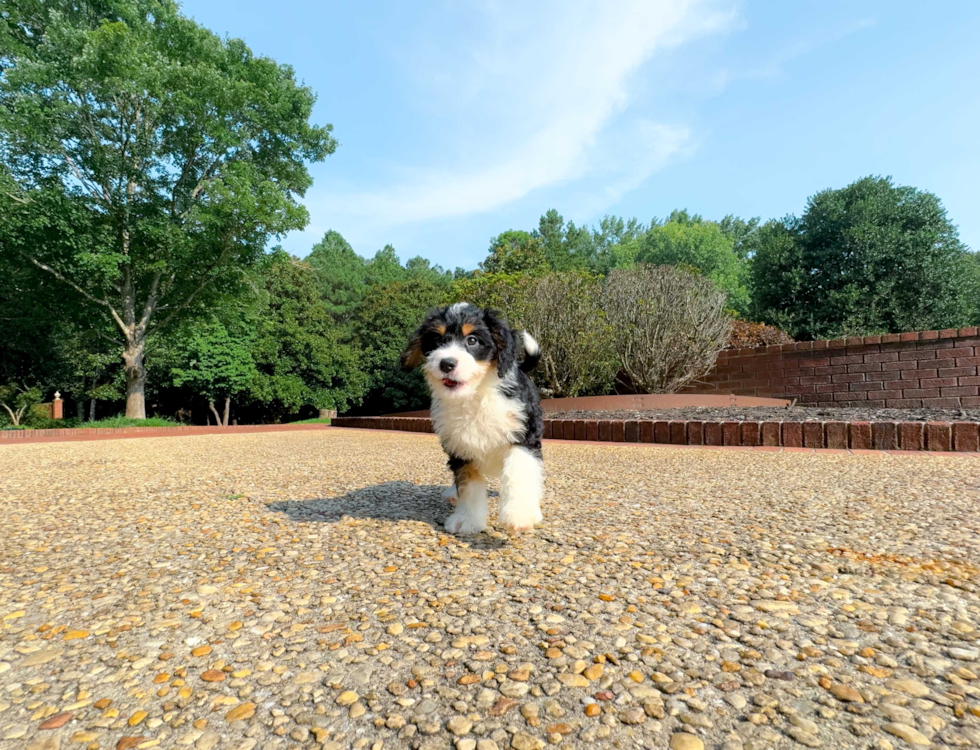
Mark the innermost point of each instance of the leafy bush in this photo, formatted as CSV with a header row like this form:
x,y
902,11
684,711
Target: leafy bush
x,y
669,325
869,258
745,335
501,291
41,421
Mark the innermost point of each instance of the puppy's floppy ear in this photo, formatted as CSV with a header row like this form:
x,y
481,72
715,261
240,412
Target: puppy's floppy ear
x,y
503,339
413,356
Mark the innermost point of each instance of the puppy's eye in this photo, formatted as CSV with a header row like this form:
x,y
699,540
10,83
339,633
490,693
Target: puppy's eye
x,y
471,341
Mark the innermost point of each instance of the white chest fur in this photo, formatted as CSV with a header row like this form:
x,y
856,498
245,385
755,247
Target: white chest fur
x,y
478,427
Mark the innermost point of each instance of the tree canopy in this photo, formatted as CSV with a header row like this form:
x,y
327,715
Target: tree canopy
x,y
300,358
340,274
171,156
516,251
383,324
686,240
872,257
216,361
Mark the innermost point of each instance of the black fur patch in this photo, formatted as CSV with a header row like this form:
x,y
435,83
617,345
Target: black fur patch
x,y
524,390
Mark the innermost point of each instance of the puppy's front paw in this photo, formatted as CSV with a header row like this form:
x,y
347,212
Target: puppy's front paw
x,y
463,523
516,518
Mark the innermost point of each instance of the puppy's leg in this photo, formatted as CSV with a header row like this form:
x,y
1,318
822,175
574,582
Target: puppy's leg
x,y
521,488
449,495
471,507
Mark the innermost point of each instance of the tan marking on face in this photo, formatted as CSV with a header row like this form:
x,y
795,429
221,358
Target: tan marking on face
x,y
441,329
467,329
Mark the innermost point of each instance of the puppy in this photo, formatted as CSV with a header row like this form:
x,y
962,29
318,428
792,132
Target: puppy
x,y
486,412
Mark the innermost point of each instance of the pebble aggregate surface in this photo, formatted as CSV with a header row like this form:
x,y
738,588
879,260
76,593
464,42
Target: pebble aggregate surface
x,y
297,590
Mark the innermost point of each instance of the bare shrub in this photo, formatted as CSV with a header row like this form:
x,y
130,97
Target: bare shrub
x,y
564,314
669,325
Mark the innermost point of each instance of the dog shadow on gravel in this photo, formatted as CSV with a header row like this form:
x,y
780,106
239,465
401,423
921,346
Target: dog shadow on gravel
x,y
390,501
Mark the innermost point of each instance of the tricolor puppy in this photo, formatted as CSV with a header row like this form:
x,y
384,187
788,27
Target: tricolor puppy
x,y
486,412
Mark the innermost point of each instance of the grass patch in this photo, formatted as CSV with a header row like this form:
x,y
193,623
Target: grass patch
x,y
315,420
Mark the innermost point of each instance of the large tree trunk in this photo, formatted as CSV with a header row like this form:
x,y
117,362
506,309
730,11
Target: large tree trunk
x,y
135,381
227,410
91,410
217,417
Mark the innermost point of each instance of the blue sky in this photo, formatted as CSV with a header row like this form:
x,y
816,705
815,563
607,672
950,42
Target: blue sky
x,y
458,120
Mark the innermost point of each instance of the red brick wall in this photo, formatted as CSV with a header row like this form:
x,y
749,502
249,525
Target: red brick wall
x,y
925,368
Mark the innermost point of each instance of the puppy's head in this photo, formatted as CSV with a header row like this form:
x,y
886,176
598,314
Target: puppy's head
x,y
457,346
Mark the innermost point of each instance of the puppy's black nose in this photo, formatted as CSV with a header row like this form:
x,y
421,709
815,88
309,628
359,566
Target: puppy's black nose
x,y
447,364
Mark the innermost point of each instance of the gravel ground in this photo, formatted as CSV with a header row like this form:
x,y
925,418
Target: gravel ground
x,y
783,414
296,589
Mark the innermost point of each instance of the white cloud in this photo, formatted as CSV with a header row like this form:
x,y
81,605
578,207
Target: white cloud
x,y
536,95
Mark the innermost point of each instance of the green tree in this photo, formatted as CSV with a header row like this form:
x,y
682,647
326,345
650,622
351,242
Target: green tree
x,y
616,244
551,229
973,287
689,240
17,401
46,334
742,233
215,362
301,363
872,257
515,251
566,246
86,360
341,275
184,151
777,274
421,268
384,322
384,268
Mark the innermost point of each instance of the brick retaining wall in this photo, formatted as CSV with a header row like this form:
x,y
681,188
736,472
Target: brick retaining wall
x,y
900,370
908,436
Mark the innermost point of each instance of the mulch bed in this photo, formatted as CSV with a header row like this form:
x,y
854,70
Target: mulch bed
x,y
781,414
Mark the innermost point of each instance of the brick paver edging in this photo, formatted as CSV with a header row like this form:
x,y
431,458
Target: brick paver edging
x,y
907,436
91,433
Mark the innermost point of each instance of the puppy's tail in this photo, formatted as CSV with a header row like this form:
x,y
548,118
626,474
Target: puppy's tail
x,y
532,353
